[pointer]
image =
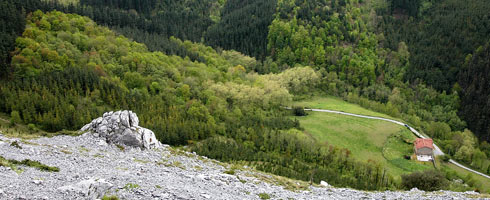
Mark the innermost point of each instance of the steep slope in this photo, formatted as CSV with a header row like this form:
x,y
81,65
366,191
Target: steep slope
x,y
475,84
11,25
243,26
68,70
237,25
440,35
90,168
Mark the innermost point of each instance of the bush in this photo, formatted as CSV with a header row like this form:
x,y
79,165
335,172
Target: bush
x,y
32,127
16,145
430,180
299,111
445,158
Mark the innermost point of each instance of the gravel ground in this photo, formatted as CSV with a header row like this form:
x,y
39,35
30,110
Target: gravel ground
x,y
91,168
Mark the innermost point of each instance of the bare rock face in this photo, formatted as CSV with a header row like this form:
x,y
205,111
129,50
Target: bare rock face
x,y
121,127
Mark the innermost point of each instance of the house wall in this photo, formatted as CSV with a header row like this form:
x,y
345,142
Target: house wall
x,y
424,158
424,151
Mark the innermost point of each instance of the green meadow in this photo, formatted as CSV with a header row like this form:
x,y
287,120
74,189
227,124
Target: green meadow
x,y
367,139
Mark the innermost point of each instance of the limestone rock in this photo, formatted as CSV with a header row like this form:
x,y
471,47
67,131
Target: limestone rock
x,y
325,184
91,188
121,127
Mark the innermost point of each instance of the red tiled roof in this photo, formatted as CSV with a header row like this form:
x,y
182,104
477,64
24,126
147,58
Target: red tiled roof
x,y
420,143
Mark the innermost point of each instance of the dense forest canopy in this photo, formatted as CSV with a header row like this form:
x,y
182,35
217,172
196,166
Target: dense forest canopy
x,y
243,26
440,35
11,26
475,84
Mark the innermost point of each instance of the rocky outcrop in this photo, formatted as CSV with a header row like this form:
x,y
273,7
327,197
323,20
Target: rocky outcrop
x,y
121,127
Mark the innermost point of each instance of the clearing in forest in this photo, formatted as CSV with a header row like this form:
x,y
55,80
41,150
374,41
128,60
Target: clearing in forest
x,y
367,139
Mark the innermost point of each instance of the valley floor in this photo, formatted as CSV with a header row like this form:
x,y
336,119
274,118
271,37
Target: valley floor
x,y
91,168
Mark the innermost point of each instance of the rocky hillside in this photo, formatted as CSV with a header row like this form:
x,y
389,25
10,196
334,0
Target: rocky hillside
x,y
92,166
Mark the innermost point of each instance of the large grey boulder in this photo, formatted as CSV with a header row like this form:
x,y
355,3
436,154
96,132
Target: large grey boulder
x,y
121,127
90,189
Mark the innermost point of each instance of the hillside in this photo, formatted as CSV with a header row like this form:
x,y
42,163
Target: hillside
x,y
214,107
215,76
164,173
441,37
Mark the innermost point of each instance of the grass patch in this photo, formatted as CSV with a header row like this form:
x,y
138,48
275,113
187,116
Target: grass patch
x,y
65,151
98,156
120,147
197,167
264,196
6,163
110,197
130,186
230,172
122,168
241,180
83,149
29,142
29,163
178,164
141,161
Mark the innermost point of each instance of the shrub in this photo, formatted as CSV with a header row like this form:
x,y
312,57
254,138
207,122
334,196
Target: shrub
x,y
430,180
16,145
445,158
32,128
299,111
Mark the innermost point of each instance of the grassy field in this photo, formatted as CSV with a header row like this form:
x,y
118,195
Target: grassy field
x,y
367,139
334,103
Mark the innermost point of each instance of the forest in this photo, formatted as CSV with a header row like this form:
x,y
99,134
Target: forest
x,y
216,74
182,101
441,37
